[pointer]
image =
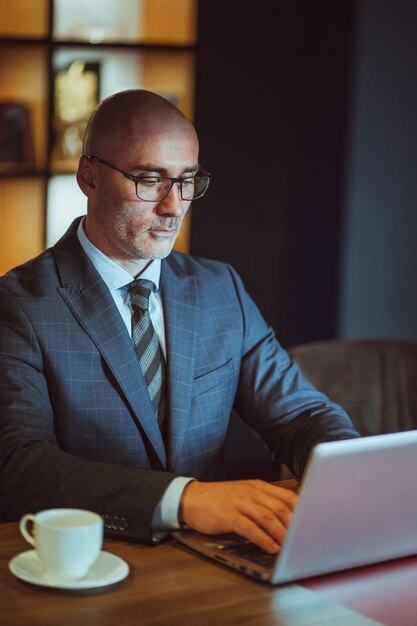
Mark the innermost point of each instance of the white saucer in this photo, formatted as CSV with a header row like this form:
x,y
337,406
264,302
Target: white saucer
x,y
107,570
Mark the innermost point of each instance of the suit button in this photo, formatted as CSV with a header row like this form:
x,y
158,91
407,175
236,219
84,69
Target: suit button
x,y
106,521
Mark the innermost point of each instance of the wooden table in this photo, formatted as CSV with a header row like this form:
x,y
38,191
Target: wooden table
x,y
168,586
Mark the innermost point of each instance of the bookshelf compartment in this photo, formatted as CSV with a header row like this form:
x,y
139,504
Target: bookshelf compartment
x,y
23,81
171,22
24,18
22,214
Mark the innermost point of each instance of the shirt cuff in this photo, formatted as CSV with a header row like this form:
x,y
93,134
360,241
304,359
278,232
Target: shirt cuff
x,y
165,516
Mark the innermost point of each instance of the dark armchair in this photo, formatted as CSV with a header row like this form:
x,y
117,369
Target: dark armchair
x,y
374,380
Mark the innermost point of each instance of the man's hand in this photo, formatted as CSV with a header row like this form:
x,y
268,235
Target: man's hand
x,y
254,509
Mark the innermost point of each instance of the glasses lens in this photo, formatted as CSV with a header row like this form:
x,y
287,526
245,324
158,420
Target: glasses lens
x,y
152,189
195,187
156,189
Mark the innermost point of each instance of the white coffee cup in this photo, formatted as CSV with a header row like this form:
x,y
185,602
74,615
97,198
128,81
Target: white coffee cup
x,y
67,541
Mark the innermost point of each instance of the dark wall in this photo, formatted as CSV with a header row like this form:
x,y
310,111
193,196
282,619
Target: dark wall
x,y
272,80
325,53
378,277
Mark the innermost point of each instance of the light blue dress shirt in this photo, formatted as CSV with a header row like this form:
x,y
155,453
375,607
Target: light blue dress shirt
x,y
117,279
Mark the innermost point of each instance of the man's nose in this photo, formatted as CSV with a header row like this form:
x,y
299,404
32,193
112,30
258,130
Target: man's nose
x,y
172,205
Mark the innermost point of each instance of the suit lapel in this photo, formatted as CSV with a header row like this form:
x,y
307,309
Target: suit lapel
x,y
178,294
93,307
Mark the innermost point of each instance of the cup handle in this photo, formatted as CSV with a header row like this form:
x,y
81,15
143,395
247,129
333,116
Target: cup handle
x,y
22,527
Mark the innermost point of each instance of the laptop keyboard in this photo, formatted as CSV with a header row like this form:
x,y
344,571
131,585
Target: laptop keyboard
x,y
252,553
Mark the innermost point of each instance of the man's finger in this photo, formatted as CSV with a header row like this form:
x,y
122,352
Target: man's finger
x,y
286,495
247,528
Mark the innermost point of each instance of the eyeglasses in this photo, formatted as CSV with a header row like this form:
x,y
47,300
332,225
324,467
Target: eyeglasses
x,y
156,188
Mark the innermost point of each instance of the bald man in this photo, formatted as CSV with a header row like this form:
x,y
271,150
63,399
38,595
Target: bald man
x,y
122,361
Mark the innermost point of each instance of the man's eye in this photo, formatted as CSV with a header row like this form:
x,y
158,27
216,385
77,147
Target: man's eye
x,y
187,182
150,181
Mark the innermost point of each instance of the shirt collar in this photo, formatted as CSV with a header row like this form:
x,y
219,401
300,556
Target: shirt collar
x,y
113,274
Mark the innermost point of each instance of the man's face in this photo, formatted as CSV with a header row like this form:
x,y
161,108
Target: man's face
x,y
125,227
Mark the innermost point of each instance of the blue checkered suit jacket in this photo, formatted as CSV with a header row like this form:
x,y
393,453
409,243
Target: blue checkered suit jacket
x,y
77,427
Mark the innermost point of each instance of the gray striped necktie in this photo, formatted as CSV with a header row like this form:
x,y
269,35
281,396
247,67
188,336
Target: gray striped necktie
x,y
147,346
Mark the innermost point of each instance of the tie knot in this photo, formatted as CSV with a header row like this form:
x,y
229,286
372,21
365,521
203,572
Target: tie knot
x,y
140,290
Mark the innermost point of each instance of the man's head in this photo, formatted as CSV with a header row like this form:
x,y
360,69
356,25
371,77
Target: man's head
x,y
142,134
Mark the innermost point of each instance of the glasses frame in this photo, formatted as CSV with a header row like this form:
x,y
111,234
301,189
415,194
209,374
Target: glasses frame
x,y
136,179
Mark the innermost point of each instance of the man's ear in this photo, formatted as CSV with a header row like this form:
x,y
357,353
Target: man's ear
x,y
86,177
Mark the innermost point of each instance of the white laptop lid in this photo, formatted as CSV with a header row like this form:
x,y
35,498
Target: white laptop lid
x,y
357,506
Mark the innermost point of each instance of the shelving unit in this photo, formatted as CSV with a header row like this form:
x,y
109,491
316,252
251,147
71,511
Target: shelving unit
x,y
58,58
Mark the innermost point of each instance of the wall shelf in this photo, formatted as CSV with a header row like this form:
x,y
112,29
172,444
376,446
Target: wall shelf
x,y
58,58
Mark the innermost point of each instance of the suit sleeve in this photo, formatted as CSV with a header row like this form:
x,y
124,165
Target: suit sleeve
x,y
276,400
34,472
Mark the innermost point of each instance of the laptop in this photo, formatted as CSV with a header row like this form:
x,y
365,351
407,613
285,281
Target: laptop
x,y
357,506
